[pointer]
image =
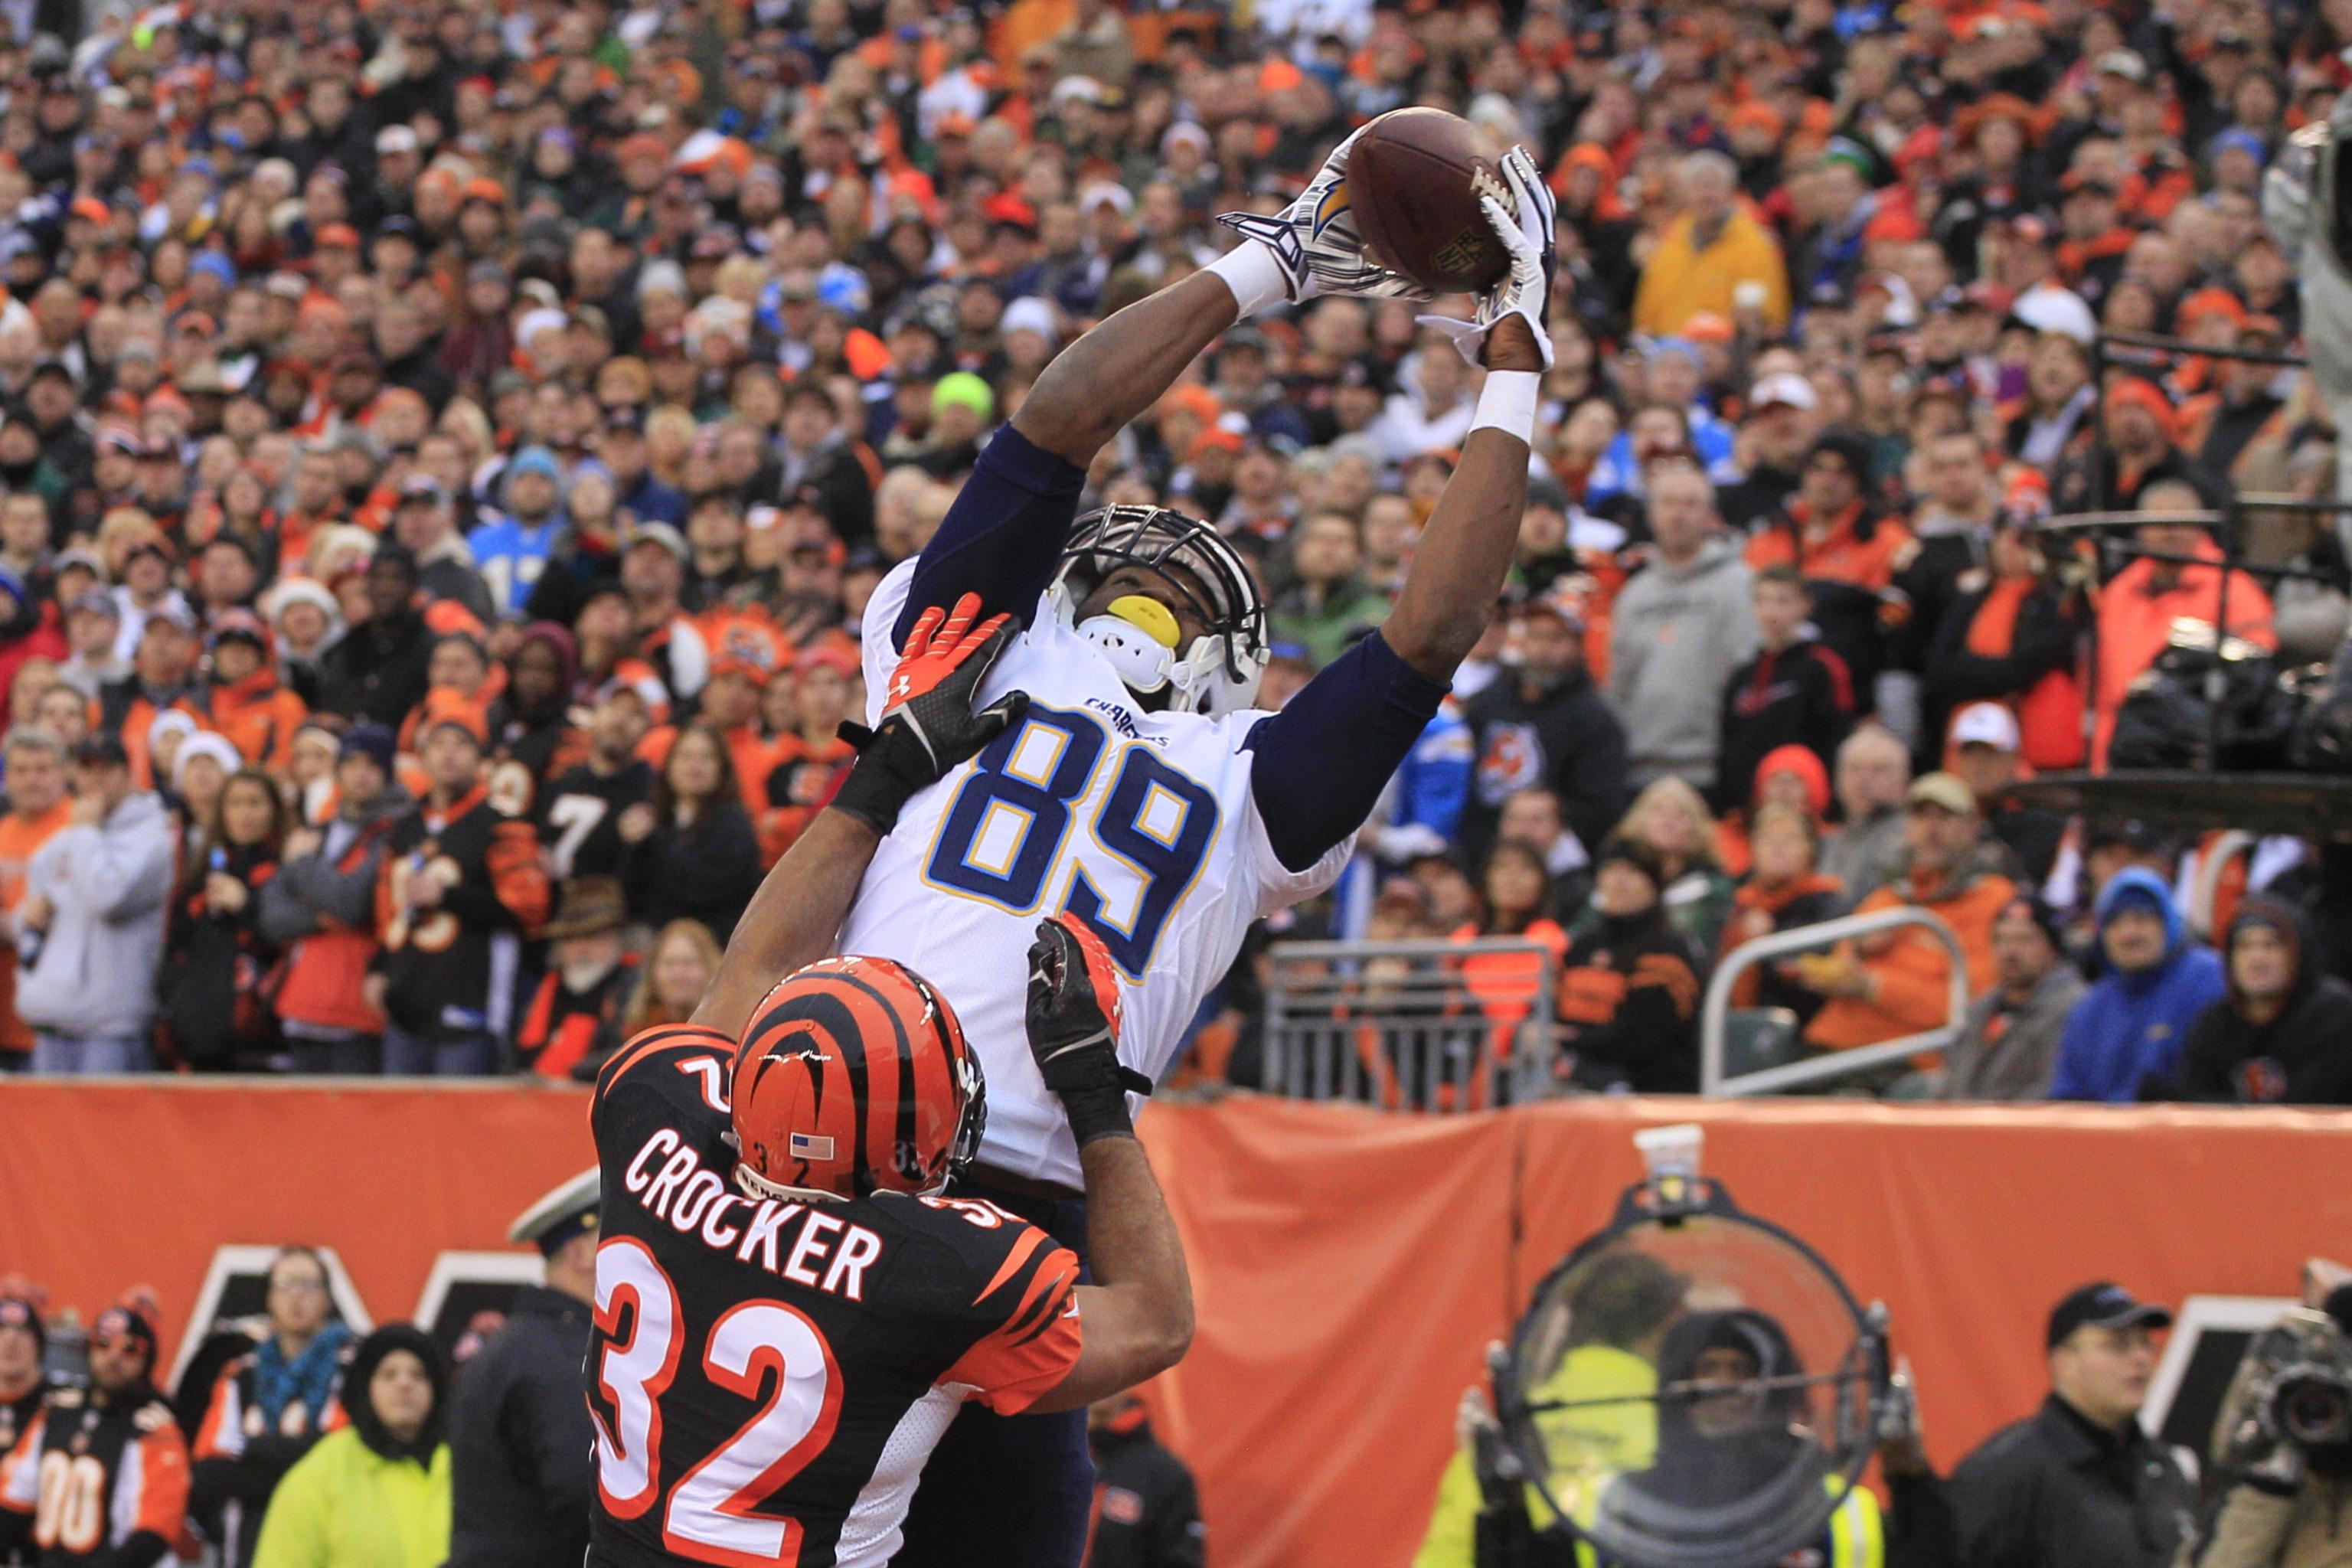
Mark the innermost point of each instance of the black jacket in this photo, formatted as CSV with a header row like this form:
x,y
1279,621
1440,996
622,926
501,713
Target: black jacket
x,y
2055,1492
2302,1057
1801,696
1147,1513
2044,639
1628,1004
708,872
1567,740
378,671
521,1445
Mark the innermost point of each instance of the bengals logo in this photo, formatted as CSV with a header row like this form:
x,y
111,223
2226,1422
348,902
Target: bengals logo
x,y
2262,1080
1513,759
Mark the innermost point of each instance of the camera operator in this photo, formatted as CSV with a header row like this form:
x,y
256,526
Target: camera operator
x,y
2282,1445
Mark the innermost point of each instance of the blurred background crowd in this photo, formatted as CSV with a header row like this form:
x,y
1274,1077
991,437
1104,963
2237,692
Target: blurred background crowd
x,y
446,450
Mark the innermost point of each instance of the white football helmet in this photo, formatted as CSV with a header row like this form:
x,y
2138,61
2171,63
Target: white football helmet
x,y
1219,673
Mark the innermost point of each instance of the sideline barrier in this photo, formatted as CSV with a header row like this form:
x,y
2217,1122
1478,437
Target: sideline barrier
x,y
1349,1264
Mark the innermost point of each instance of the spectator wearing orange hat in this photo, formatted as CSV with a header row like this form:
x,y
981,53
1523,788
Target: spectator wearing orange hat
x,y
808,756
1586,181
1712,257
745,654
2181,580
2142,449
2240,430
243,699
462,687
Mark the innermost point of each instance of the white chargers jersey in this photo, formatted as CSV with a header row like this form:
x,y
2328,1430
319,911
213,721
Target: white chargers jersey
x,y
1141,823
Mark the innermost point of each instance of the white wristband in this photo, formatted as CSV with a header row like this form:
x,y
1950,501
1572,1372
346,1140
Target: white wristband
x,y
1507,402
1256,279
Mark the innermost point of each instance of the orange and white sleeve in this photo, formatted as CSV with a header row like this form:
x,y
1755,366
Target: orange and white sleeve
x,y
1034,1331
20,1480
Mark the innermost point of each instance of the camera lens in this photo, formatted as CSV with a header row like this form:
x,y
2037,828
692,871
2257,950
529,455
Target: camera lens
x,y
2315,1411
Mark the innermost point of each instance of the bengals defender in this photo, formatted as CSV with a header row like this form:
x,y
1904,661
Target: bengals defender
x,y
788,1314
101,1476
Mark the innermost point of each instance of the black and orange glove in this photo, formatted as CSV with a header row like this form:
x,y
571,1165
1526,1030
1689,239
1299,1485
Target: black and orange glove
x,y
928,724
1074,1021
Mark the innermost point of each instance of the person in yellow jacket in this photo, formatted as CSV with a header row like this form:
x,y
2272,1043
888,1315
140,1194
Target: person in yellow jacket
x,y
1705,1455
1713,258
1737,1452
1617,1315
376,1493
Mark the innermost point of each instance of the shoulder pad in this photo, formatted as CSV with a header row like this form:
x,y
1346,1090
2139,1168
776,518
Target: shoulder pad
x,y
152,1416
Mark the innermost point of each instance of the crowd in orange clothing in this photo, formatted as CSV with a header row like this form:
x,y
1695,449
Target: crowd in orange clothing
x,y
482,438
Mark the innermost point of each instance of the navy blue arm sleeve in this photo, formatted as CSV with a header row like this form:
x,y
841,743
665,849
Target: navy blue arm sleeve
x,y
1318,767
1003,536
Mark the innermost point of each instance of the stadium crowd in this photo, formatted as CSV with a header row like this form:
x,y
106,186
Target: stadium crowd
x,y
444,454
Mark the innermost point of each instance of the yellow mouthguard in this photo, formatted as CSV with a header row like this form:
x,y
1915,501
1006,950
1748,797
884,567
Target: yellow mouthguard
x,y
1149,617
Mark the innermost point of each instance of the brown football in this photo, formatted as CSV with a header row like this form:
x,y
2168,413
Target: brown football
x,y
1409,185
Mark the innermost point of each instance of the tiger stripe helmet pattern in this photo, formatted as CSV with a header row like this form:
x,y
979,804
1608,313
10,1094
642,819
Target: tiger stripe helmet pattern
x,y
853,1077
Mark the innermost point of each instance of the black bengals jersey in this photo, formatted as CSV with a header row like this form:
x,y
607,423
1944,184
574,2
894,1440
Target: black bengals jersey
x,y
95,1482
767,1377
579,817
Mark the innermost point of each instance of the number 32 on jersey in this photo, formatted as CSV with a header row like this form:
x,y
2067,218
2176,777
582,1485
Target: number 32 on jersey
x,y
1006,836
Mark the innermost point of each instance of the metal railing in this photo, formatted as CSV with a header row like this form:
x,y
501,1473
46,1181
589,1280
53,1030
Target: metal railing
x,y
1430,1026
1836,1064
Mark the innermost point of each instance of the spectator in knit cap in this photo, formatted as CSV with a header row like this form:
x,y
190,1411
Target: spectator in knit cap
x,y
2279,1032
2008,1044
378,672
1628,988
2125,1035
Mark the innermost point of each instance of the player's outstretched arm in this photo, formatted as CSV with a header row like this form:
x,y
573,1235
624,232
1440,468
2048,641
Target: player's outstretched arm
x,y
1138,1320
927,727
1464,554
1318,765
1004,537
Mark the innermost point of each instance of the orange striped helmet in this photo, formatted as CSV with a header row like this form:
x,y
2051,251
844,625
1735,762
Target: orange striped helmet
x,y
854,1076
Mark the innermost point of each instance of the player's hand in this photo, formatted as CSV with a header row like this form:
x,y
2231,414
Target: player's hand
x,y
1316,242
1074,1022
928,724
1520,207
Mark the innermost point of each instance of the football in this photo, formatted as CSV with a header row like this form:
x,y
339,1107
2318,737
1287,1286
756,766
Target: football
x,y
1408,182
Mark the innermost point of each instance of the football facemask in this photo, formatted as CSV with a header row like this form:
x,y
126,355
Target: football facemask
x,y
1140,636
